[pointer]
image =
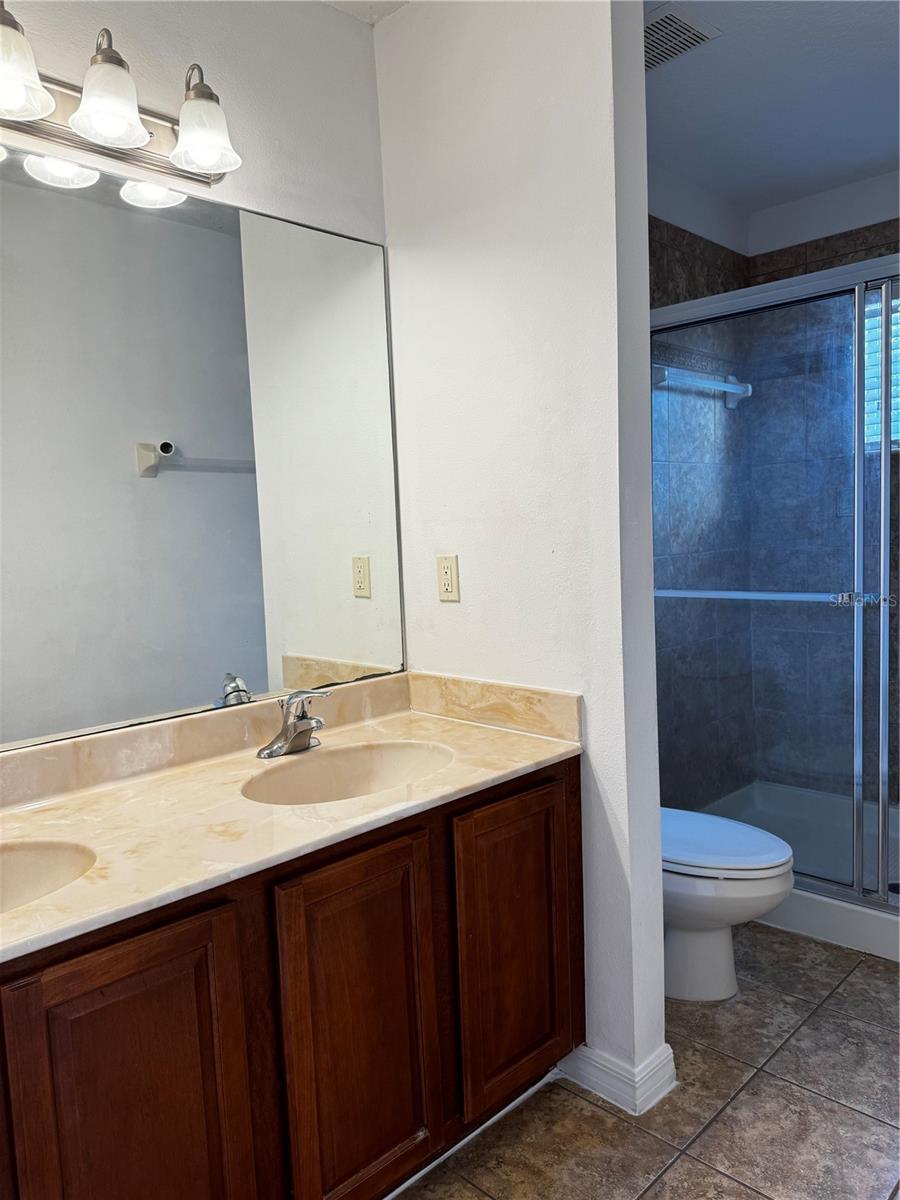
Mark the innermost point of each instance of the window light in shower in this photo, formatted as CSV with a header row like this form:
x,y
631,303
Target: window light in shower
x,y
203,141
150,195
108,112
22,95
58,172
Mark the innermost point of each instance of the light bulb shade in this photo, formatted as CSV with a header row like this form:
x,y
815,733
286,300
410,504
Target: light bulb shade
x,y
108,112
22,95
59,172
150,195
203,142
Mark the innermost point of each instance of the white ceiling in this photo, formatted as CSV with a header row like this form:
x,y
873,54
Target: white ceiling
x,y
370,11
796,97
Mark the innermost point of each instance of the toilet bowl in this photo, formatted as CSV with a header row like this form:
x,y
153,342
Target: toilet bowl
x,y
716,873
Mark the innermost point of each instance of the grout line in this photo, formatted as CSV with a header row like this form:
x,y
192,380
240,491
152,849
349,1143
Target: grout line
x,y
613,1110
822,1096
655,1180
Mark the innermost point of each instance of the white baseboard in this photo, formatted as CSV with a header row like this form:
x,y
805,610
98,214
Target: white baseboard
x,y
631,1088
869,929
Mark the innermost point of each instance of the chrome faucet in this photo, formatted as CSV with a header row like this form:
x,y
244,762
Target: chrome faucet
x,y
297,728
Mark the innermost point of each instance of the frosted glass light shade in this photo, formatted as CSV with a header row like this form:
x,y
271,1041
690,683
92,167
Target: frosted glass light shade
x,y
58,172
203,142
150,195
108,112
22,95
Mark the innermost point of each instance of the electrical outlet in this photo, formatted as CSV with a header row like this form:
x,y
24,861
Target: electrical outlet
x,y
448,577
362,583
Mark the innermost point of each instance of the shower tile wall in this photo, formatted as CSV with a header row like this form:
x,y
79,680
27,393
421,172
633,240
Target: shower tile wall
x,y
755,497
800,427
701,533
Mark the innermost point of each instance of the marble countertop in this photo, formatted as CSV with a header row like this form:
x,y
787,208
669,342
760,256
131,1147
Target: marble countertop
x,y
168,834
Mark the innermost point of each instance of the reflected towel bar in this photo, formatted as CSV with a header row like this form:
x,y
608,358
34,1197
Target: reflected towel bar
x,y
152,459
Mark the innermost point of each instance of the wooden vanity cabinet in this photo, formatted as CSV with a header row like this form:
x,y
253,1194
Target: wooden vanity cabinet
x,y
359,1020
512,902
128,1071
319,1030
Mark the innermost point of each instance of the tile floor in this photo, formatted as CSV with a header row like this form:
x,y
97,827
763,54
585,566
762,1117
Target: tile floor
x,y
789,1091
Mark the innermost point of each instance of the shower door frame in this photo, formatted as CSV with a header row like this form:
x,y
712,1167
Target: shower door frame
x,y
856,279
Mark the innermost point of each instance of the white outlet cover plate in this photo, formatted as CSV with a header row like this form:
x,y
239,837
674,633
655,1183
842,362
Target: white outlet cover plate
x,y
448,578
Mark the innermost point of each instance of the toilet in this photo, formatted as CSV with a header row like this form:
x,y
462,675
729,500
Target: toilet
x,y
716,873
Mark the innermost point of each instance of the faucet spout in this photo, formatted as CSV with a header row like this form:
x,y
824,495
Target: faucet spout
x,y
297,728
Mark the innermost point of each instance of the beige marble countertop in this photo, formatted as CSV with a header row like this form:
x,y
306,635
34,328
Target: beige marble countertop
x,y
171,833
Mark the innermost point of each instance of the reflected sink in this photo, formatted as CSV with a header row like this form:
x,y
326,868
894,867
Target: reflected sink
x,y
30,870
323,775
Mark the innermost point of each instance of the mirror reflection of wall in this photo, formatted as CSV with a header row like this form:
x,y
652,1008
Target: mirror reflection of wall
x,y
125,597
321,415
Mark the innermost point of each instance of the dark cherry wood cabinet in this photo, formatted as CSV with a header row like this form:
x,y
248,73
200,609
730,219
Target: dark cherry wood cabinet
x,y
512,898
360,1021
318,1030
128,1071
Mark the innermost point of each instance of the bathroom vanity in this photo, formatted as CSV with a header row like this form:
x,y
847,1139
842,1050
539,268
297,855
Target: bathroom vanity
x,y
320,1027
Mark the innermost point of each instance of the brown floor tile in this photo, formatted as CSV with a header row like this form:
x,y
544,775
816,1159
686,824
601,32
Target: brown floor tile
x,y
749,1026
443,1183
688,1179
706,1081
790,962
870,993
557,1146
791,1144
851,1061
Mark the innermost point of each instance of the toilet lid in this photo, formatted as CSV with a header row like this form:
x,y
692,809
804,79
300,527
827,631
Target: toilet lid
x,y
691,839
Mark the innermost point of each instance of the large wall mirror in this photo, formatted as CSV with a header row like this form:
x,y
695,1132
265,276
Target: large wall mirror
x,y
197,458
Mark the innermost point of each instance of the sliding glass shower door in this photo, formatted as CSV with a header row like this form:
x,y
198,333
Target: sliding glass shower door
x,y
774,511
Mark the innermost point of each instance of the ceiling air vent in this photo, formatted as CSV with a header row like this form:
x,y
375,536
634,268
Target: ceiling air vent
x,y
668,33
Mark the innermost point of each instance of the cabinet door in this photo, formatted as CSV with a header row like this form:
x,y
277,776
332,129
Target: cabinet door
x,y
128,1070
514,955
359,1021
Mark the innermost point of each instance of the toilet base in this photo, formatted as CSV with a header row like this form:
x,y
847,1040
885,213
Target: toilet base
x,y
699,964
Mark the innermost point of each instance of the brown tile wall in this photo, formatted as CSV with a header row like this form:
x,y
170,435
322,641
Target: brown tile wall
x,y
685,266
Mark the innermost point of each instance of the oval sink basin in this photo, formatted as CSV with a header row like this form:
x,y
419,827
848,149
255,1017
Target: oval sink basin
x,y
323,775
30,870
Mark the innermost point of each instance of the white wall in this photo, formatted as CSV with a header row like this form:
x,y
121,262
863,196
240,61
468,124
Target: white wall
x,y
121,597
864,202
685,203
317,346
520,322
297,81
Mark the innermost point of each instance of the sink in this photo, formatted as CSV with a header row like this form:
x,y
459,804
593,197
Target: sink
x,y
30,870
323,775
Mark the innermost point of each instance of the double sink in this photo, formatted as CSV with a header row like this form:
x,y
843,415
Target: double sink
x,y
30,870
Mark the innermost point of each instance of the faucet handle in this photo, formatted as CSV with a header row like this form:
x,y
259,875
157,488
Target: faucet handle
x,y
296,704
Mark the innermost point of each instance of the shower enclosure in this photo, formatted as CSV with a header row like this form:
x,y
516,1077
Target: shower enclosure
x,y
776,445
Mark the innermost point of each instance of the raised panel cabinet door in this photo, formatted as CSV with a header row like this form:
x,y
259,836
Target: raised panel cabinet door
x,y
128,1070
359,1020
512,908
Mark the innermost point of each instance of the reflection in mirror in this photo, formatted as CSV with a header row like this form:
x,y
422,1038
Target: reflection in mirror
x,y
136,574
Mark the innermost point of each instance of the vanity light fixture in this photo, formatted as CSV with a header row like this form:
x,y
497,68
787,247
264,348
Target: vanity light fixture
x,y
203,141
108,112
150,195
22,95
58,172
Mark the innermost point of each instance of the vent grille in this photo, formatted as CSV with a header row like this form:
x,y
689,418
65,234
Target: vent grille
x,y
668,34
